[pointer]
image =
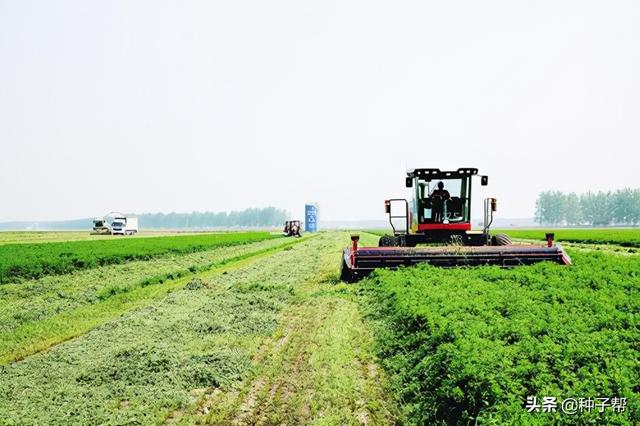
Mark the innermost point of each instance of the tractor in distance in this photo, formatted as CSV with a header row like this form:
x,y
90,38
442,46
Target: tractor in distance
x,y
292,228
435,227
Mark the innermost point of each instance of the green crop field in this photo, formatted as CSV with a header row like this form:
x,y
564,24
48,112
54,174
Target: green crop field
x,y
247,328
467,345
36,260
21,237
627,237
229,339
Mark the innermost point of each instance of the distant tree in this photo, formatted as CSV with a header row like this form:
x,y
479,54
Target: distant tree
x,y
598,208
269,216
551,207
626,207
621,207
573,209
635,213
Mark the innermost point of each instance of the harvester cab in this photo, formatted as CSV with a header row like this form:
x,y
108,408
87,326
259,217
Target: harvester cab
x,y
438,217
439,211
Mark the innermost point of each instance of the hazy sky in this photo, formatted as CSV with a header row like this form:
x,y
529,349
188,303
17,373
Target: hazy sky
x,y
156,106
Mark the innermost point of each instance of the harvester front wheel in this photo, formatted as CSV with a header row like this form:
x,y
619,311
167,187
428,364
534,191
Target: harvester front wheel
x,y
346,274
388,241
501,240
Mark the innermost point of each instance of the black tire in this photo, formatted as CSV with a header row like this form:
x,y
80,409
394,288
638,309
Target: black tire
x,y
501,240
387,241
346,274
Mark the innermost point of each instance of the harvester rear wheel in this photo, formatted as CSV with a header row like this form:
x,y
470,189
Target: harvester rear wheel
x,y
501,240
387,241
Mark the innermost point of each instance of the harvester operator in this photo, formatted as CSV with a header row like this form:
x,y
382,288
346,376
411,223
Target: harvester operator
x,y
438,198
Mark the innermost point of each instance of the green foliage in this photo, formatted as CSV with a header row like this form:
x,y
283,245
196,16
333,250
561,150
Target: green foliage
x,y
37,260
465,345
624,237
551,207
592,208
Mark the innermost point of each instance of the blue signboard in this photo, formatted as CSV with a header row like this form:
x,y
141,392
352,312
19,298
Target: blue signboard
x,y
310,218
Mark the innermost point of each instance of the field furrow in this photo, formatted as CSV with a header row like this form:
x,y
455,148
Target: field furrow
x,y
318,368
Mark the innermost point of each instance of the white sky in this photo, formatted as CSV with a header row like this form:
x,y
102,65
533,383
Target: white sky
x,y
148,106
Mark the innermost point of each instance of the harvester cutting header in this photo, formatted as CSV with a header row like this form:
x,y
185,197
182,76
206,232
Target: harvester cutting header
x,y
439,216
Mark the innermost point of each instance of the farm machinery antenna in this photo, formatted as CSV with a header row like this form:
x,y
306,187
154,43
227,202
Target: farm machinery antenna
x,y
439,215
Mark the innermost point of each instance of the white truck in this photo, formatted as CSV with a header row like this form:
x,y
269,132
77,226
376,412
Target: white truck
x,y
124,225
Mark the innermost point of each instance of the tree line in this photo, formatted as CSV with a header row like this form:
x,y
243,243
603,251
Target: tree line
x,y
621,207
260,217
268,216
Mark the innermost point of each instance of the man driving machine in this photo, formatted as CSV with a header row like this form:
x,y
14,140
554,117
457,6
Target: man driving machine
x,y
438,198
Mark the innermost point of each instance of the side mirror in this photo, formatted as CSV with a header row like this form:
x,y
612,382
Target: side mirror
x,y
484,180
408,182
387,207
